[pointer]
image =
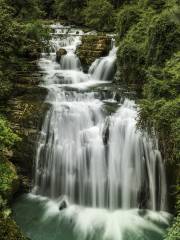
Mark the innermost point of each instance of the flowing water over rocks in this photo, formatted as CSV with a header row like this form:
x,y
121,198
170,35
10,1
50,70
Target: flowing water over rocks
x,y
97,165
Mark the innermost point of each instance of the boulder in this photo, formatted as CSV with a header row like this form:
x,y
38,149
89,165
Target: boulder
x,y
63,205
91,48
60,53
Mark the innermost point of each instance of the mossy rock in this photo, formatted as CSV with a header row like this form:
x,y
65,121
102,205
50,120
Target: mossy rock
x,y
9,180
93,47
61,52
9,230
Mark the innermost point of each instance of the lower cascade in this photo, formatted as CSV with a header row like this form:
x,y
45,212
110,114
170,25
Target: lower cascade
x,y
97,176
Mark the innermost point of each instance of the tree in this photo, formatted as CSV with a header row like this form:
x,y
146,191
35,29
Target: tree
x,y
99,15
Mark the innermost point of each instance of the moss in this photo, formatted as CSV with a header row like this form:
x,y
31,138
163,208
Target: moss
x,y
9,230
9,180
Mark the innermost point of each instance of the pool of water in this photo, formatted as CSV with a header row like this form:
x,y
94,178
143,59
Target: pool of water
x,y
41,219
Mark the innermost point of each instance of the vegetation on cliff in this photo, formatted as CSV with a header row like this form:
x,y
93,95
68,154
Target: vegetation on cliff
x,y
9,182
22,38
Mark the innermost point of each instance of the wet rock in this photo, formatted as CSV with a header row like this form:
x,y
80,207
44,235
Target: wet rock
x,y
93,47
25,111
106,131
63,205
61,52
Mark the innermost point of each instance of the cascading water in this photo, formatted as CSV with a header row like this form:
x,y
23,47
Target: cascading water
x,y
102,165
104,68
70,61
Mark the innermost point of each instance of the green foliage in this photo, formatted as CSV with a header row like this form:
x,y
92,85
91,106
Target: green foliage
x,y
164,83
26,9
131,62
8,179
156,4
9,230
161,108
163,38
126,18
153,43
70,10
47,6
7,136
99,15
19,40
174,230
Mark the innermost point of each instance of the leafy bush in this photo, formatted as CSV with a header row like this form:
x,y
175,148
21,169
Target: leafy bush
x,y
8,179
163,38
161,108
26,9
130,61
70,10
163,83
99,15
19,40
7,136
174,230
156,4
126,18
9,230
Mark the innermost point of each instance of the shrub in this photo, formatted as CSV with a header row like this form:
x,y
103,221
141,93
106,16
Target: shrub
x,y
99,15
163,38
7,136
126,18
130,62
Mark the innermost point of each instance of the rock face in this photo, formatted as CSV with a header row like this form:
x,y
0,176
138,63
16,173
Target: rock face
x,y
25,111
60,53
24,108
93,47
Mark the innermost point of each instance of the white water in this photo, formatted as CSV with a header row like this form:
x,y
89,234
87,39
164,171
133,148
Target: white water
x,y
104,67
98,163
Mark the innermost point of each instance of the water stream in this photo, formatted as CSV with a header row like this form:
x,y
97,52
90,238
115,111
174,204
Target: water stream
x,y
105,175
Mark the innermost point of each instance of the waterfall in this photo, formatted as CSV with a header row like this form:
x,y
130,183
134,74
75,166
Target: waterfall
x,y
96,175
104,68
135,170
70,61
73,158
73,161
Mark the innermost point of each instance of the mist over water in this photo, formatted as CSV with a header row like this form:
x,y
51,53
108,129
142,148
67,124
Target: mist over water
x,y
101,165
